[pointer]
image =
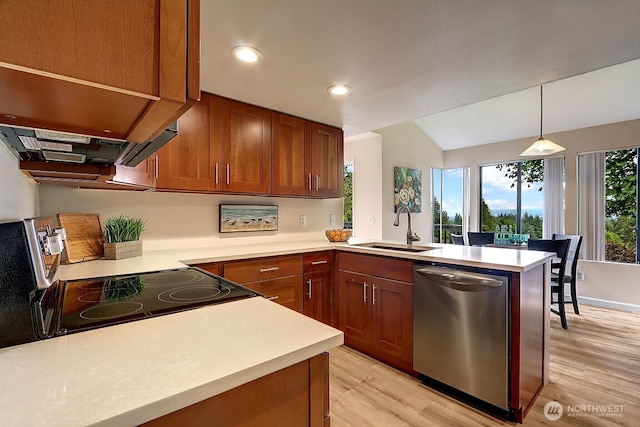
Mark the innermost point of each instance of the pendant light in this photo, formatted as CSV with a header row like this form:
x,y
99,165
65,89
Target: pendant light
x,y
542,147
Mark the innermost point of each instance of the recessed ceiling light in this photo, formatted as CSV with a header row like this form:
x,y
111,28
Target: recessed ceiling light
x,y
339,89
246,54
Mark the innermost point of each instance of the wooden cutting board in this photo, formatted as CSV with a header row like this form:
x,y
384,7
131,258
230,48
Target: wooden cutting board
x,y
84,236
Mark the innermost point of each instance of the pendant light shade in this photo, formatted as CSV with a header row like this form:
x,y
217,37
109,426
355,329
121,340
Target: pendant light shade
x,y
542,147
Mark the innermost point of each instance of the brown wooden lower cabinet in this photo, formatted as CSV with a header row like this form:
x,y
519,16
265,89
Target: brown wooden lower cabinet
x,y
318,273
211,267
294,396
278,278
375,313
286,291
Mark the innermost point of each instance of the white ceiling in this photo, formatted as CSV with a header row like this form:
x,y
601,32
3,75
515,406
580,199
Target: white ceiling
x,y
466,71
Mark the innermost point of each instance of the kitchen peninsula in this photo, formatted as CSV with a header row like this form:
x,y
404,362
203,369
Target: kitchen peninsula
x,y
140,371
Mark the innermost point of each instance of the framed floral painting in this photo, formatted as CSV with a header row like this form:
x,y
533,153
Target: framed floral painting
x,y
407,189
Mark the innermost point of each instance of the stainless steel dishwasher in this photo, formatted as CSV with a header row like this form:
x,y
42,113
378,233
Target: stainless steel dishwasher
x,y
460,331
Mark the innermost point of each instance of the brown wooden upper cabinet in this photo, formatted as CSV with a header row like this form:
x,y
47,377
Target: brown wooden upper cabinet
x,y
229,146
191,160
307,158
291,174
222,145
105,68
245,148
327,161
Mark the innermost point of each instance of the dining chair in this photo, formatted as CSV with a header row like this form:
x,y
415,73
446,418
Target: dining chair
x,y
561,248
571,267
480,238
457,239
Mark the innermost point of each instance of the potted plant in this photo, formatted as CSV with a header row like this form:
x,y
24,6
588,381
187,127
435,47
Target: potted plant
x,y
122,237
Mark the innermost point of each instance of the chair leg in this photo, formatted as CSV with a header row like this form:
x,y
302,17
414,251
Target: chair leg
x,y
574,297
561,311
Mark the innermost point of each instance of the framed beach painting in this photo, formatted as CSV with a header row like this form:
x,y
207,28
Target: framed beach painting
x,y
407,189
234,218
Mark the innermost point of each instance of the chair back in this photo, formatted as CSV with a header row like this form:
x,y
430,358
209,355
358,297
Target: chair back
x,y
574,251
457,239
480,238
560,247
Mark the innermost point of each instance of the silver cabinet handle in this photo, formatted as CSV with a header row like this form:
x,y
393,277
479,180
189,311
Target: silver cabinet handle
x,y
318,262
317,182
374,295
228,173
364,292
309,182
216,168
264,270
309,283
273,298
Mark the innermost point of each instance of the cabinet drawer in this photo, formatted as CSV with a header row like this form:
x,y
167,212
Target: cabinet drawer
x,y
286,291
390,268
211,267
263,268
317,261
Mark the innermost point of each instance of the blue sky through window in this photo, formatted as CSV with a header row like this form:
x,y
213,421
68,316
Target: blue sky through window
x,y
496,191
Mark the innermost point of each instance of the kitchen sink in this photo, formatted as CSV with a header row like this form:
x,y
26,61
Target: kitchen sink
x,y
394,246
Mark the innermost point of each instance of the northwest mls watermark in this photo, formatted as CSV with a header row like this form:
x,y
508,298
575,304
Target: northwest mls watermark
x,y
554,410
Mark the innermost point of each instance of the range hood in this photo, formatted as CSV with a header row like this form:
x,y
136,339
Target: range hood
x,y
50,146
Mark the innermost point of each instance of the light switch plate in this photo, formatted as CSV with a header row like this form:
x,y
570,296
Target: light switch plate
x,y
332,219
371,219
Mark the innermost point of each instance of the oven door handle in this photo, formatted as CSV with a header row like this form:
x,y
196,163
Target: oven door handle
x,y
41,323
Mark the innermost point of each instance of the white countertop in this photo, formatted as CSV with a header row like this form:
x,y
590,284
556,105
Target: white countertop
x,y
508,259
134,372
131,373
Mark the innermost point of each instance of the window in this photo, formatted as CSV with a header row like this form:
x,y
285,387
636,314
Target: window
x,y
449,188
608,205
348,196
513,194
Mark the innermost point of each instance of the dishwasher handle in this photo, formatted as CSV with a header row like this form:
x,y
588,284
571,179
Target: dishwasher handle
x,y
461,278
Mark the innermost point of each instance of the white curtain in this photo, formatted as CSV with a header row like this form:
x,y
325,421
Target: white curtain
x,y
591,213
553,197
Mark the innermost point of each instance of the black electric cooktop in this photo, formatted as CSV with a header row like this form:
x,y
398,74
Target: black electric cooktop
x,y
93,303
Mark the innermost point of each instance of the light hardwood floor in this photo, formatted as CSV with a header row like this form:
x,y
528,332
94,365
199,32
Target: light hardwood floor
x,y
595,362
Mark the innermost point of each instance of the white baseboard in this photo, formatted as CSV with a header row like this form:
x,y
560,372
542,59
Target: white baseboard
x,y
609,304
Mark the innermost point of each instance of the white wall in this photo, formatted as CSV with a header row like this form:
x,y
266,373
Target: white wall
x,y
611,284
18,194
365,151
406,145
177,220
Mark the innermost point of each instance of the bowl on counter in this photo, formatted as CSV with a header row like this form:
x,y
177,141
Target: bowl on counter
x,y
338,234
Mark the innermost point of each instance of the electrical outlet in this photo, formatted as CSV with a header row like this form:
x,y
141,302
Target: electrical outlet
x,y
580,275
303,220
371,219
332,219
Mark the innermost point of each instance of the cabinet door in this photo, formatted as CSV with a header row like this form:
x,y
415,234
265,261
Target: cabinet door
x,y
190,161
392,322
354,317
291,160
316,292
327,161
245,148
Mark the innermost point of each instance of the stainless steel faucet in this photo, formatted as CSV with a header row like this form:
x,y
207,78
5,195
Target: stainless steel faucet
x,y
411,236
